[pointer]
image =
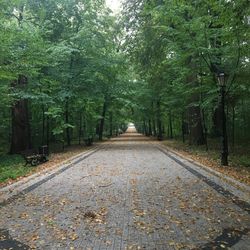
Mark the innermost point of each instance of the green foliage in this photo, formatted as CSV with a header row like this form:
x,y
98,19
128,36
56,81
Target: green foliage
x,y
179,47
12,167
68,54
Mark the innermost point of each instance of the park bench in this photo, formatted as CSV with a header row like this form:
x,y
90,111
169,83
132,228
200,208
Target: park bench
x,y
88,141
34,157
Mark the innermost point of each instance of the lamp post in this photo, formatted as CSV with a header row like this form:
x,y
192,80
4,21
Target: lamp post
x,y
222,84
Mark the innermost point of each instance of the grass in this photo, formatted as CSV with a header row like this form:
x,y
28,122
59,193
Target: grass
x,y
240,160
12,167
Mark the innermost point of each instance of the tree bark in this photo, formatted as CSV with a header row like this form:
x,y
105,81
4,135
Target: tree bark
x,y
48,131
84,130
149,127
67,122
204,128
217,124
233,128
154,128
68,138
110,124
20,136
159,124
104,109
183,130
43,124
97,129
80,129
196,135
144,127
170,126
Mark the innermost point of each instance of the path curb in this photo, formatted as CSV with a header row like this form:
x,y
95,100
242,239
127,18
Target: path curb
x,y
12,190
244,187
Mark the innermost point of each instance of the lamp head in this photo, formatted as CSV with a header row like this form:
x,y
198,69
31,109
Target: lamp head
x,y
221,79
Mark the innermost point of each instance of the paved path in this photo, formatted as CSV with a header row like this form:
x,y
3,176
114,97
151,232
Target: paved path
x,y
127,195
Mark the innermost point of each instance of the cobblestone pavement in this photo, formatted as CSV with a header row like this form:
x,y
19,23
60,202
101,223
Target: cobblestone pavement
x,y
127,195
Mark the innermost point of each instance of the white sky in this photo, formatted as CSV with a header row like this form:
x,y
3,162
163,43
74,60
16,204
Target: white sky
x,y
114,5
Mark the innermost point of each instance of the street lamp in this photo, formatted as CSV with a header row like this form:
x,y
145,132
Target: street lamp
x,y
221,79
222,83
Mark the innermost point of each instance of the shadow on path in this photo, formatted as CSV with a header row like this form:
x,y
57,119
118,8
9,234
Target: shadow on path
x,y
228,238
6,242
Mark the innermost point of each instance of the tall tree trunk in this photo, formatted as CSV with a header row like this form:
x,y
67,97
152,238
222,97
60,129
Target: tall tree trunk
x,y
68,138
196,135
80,129
48,131
149,127
144,128
67,122
116,130
153,119
244,127
110,124
104,109
43,124
84,130
183,129
233,128
154,127
217,123
170,126
159,124
10,126
20,136
224,154
204,128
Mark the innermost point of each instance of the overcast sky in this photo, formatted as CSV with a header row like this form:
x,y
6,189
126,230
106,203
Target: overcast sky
x,y
114,5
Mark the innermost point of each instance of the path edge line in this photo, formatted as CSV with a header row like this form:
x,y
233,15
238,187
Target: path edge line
x,y
22,187
241,203
237,184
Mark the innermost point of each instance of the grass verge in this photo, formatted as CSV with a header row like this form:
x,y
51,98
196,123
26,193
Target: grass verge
x,y
11,167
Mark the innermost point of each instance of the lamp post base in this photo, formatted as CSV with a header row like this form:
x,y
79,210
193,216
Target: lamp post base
x,y
224,160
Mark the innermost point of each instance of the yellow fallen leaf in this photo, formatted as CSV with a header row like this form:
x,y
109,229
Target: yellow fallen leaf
x,y
73,236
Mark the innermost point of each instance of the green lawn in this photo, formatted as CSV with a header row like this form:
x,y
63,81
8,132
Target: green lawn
x,y
12,167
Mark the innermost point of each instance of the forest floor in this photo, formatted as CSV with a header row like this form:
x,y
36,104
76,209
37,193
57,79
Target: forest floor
x,y
129,193
239,160
13,169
